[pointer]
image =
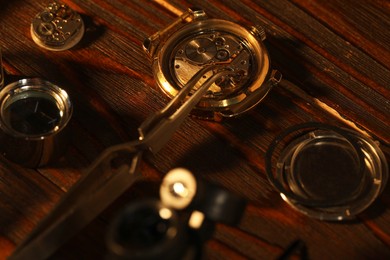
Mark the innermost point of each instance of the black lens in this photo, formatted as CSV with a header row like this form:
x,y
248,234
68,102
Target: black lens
x,y
142,228
32,115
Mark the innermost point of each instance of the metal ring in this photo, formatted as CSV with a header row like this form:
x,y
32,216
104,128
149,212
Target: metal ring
x,y
310,125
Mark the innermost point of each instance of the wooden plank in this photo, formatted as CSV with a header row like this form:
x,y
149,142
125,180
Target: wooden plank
x,y
364,26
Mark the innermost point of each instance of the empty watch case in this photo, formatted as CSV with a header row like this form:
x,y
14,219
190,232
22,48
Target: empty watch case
x,y
194,42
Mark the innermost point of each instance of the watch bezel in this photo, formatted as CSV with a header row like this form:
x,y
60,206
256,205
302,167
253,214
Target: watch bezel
x,y
261,79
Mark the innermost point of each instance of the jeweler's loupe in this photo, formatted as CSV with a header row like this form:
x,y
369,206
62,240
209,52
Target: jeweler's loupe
x,y
176,226
147,230
326,172
33,115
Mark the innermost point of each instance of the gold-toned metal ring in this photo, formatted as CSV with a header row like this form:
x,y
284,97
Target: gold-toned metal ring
x,y
177,55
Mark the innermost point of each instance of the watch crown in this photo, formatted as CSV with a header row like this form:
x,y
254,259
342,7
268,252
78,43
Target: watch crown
x,y
198,14
147,46
258,31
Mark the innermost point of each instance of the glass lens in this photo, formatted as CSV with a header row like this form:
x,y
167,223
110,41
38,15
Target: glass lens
x,y
325,169
326,172
32,113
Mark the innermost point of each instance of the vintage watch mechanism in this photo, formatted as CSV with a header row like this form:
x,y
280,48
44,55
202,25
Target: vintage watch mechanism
x,y
57,27
194,43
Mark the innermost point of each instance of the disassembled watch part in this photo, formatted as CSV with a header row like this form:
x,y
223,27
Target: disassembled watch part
x,y
57,27
194,42
326,172
33,115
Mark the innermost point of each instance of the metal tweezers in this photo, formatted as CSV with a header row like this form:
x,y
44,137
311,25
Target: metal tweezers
x,y
106,179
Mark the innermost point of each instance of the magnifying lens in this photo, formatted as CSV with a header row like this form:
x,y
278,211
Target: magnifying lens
x,y
147,229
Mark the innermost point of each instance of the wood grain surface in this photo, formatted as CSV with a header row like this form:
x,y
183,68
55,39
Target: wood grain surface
x,y
335,59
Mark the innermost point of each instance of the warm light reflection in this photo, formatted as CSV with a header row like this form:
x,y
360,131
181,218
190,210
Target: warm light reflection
x,y
283,197
196,220
179,190
165,213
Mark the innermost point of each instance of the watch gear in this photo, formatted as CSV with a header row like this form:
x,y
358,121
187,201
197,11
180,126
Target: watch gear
x,y
194,42
57,27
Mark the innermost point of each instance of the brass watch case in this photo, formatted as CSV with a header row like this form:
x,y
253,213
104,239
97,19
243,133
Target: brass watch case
x,y
193,42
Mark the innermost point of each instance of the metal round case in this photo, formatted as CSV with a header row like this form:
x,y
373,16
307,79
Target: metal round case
x,y
57,27
178,54
326,172
33,115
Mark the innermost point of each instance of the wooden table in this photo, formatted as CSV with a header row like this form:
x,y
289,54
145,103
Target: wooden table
x,y
336,54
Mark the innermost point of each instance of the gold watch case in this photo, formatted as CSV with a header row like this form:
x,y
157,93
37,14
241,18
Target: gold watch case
x,y
194,42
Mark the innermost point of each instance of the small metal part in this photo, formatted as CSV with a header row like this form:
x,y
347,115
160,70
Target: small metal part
x,y
33,115
178,188
182,50
57,27
259,32
200,50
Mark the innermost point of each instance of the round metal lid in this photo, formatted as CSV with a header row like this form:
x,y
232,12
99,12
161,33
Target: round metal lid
x,y
326,172
34,109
